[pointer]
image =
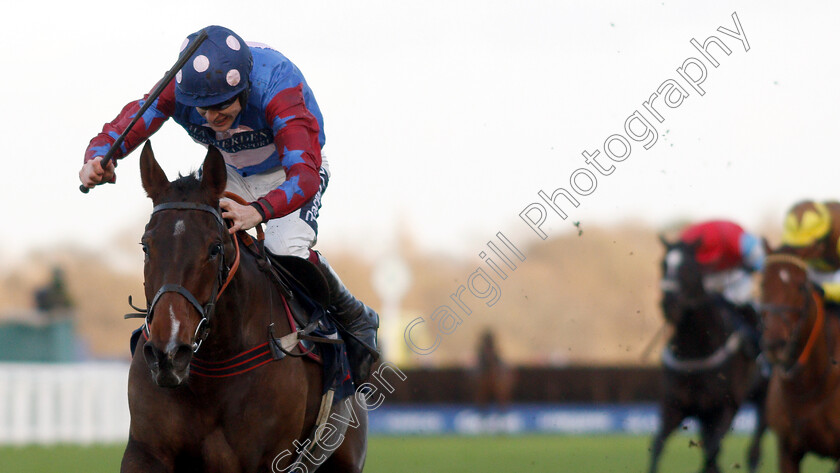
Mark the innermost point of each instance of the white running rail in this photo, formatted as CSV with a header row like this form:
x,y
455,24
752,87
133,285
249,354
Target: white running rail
x,y
77,403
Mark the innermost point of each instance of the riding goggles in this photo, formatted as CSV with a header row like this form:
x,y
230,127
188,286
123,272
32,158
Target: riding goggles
x,y
221,106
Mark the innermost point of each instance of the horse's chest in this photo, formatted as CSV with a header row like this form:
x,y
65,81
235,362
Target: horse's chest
x,y
706,390
817,434
217,451
805,426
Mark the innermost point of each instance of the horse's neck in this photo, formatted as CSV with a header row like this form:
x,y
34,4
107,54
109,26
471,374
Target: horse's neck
x,y
820,372
701,331
244,312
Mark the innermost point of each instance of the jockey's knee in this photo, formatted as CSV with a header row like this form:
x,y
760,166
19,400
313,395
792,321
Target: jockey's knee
x,y
289,236
281,248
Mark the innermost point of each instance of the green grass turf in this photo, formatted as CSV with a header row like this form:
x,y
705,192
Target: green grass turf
x,y
572,454
535,453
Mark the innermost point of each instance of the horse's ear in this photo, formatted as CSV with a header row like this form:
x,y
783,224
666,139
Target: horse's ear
x,y
767,249
153,178
695,244
214,173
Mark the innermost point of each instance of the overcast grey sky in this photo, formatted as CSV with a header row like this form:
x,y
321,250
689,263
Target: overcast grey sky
x,y
447,116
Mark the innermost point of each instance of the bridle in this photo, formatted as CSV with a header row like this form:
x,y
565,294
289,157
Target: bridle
x,y
224,275
672,284
814,300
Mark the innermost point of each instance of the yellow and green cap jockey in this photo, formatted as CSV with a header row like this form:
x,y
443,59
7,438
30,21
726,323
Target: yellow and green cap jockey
x,y
805,224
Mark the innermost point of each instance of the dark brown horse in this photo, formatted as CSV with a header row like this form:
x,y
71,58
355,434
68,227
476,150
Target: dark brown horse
x,y
209,298
801,341
708,368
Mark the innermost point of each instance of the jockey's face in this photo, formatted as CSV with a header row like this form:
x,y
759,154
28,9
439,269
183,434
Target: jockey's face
x,y
221,119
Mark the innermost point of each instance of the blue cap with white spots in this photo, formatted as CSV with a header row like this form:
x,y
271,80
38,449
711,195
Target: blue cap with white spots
x,y
217,72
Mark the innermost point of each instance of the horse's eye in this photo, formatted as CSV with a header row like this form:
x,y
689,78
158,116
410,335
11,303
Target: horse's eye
x,y
145,251
215,250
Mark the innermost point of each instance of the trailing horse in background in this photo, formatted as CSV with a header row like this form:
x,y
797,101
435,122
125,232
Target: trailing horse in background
x,y
495,379
235,409
708,368
800,339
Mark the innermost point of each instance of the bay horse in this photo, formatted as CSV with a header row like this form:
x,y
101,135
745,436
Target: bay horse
x,y
205,294
708,368
800,341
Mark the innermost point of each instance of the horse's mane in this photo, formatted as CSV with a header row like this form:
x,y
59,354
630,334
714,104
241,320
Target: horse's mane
x,y
185,183
187,188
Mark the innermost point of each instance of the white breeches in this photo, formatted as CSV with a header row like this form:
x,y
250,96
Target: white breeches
x,y
735,285
295,233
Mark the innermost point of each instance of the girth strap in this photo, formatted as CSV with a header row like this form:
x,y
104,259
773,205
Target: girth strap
x,y
307,459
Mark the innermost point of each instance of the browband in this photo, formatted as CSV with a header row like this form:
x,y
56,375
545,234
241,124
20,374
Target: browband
x,y
189,206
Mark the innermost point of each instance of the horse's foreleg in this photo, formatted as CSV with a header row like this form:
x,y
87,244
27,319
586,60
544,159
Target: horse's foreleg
x,y
137,459
755,445
758,395
670,419
788,458
713,428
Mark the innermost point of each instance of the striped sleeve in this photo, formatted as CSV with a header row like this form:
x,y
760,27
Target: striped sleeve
x,y
161,109
295,131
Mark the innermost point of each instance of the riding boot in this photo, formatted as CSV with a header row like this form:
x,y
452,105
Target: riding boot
x,y
354,319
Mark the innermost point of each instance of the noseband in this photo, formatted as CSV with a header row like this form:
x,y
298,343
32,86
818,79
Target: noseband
x,y
223,278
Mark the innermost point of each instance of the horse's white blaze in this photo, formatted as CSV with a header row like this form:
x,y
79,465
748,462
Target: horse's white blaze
x,y
784,276
673,260
173,333
179,228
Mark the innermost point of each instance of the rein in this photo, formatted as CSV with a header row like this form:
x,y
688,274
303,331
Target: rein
x,y
816,329
719,357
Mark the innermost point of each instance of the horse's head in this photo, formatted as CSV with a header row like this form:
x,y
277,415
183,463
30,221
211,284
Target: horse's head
x,y
184,243
682,279
790,303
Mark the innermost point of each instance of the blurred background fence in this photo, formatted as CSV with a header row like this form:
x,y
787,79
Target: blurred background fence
x,y
79,403
86,403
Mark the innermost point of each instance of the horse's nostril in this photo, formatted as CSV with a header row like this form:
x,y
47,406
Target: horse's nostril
x,y
152,356
182,357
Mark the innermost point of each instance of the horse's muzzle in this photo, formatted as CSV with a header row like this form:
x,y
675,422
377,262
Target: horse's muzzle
x,y
169,368
774,349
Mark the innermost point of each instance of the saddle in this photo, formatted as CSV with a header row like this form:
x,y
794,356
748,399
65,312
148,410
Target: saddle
x,y
306,297
303,280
